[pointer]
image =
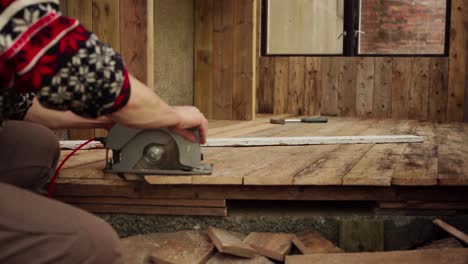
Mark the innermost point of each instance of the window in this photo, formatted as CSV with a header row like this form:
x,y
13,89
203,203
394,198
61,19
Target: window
x,y
353,27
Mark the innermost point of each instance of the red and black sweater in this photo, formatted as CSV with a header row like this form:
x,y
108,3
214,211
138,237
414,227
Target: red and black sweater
x,y
54,58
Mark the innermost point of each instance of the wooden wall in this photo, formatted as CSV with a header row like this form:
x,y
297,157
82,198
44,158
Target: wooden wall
x,y
432,88
225,58
123,25
373,87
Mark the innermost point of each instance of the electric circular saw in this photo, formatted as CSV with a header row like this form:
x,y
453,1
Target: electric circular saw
x,y
153,151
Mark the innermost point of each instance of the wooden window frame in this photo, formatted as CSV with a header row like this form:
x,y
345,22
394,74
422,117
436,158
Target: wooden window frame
x,y
351,42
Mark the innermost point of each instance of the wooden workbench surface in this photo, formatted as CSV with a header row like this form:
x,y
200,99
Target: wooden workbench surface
x,y
441,160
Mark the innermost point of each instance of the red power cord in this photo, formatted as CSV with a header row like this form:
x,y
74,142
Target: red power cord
x,y
57,171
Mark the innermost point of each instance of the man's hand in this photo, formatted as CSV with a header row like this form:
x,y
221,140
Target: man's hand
x,y
190,117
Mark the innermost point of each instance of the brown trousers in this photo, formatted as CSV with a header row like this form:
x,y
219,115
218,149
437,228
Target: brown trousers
x,y
33,228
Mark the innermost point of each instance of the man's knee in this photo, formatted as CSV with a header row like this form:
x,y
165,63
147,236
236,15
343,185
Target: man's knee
x,y
98,243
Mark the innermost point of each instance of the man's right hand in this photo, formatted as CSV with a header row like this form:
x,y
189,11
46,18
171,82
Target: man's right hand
x,y
190,117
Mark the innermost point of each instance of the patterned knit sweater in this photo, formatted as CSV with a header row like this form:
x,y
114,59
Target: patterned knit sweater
x,y
54,58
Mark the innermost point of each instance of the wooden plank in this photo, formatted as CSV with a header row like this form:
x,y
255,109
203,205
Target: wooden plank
x,y
313,86
330,73
63,7
451,230
223,49
281,85
453,154
362,235
295,98
81,10
347,87
438,87
82,157
152,209
133,26
401,85
272,245
413,205
419,163
298,141
458,62
243,93
383,87
203,56
219,258
364,86
228,243
314,243
376,167
106,16
183,248
419,92
266,87
142,201
430,256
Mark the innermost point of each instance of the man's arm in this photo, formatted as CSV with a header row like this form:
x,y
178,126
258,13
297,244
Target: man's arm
x,y
54,119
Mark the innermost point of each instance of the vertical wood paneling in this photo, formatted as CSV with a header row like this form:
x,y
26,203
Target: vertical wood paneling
x,y
330,72
203,56
133,38
244,45
281,85
105,14
81,10
401,83
295,101
313,86
364,86
266,85
438,82
63,7
458,62
223,49
383,87
347,87
419,91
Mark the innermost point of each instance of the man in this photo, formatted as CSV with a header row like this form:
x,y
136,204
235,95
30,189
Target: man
x,y
47,63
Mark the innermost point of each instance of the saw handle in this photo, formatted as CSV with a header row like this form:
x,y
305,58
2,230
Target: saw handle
x,y
318,119
315,119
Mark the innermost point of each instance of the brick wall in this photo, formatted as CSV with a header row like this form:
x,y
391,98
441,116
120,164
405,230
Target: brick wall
x,y
403,26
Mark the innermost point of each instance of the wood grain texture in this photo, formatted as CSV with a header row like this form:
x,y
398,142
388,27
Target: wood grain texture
x,y
330,73
430,256
281,85
347,87
314,243
453,154
203,56
227,242
383,87
272,245
106,17
451,230
152,209
133,37
219,258
313,86
223,50
419,92
458,62
266,85
243,98
401,86
438,87
131,201
296,75
364,86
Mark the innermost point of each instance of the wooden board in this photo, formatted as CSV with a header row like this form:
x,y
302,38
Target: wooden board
x,y
219,258
313,86
142,201
295,99
458,62
453,158
228,243
419,92
449,242
330,72
314,243
347,87
178,247
266,85
383,87
438,87
431,256
281,85
364,86
272,245
401,84
451,230
152,209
